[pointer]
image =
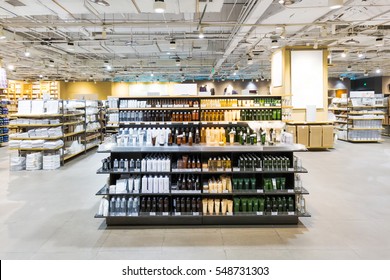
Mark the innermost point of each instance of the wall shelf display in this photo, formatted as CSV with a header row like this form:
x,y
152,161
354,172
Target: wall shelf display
x,y
46,140
4,122
202,185
359,118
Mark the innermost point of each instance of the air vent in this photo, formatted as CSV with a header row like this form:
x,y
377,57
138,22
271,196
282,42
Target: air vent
x,y
97,49
204,1
15,3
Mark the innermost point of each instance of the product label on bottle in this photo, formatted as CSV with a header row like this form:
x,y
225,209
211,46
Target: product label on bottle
x,y
274,213
195,213
259,213
152,214
165,213
177,213
291,213
259,191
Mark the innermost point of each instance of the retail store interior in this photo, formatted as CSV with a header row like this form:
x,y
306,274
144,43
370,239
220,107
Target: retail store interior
x,y
199,129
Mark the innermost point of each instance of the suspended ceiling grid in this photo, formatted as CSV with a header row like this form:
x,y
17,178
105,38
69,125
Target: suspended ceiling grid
x,y
80,40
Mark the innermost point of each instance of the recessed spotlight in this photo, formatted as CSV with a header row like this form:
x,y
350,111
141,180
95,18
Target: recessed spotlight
x,y
335,4
274,44
27,53
152,74
250,61
11,67
344,55
201,33
159,6
360,55
365,73
172,45
379,42
178,62
349,68
378,71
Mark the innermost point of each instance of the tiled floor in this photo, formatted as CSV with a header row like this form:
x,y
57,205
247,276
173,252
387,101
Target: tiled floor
x,y
49,215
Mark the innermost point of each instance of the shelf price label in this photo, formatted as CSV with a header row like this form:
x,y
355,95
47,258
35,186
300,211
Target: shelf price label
x,y
290,191
195,213
229,214
260,191
291,213
152,214
177,213
274,213
259,213
165,213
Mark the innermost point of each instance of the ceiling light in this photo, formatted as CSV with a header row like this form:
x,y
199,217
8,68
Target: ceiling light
x,y
281,2
178,62
343,54
235,73
2,34
51,63
172,45
351,42
315,45
250,61
27,53
100,2
201,33
11,67
349,68
262,78
365,73
360,54
257,80
335,4
274,44
168,53
70,46
108,67
104,33
41,76
159,6
379,42
378,71
152,74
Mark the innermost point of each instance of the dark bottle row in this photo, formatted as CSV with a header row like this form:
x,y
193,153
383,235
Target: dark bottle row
x,y
158,116
268,204
163,162
158,103
132,206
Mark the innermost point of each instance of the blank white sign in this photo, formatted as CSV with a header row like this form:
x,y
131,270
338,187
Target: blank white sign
x,y
277,69
307,78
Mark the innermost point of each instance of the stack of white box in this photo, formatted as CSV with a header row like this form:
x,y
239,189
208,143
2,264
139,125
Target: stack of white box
x,y
17,163
34,161
51,162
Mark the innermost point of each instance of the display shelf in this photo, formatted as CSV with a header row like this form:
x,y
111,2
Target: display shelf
x,y
37,116
37,149
91,147
202,151
160,109
69,156
366,128
73,122
74,114
36,138
73,133
36,125
241,108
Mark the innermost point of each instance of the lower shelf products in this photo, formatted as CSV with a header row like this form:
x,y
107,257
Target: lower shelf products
x,y
268,204
155,204
119,206
186,205
223,184
217,206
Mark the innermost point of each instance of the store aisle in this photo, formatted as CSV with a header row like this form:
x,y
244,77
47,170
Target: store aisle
x,y
49,215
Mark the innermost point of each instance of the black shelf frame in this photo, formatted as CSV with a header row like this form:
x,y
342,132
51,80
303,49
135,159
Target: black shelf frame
x,y
204,152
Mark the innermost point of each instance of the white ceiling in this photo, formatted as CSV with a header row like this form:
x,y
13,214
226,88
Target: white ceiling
x,y
134,40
